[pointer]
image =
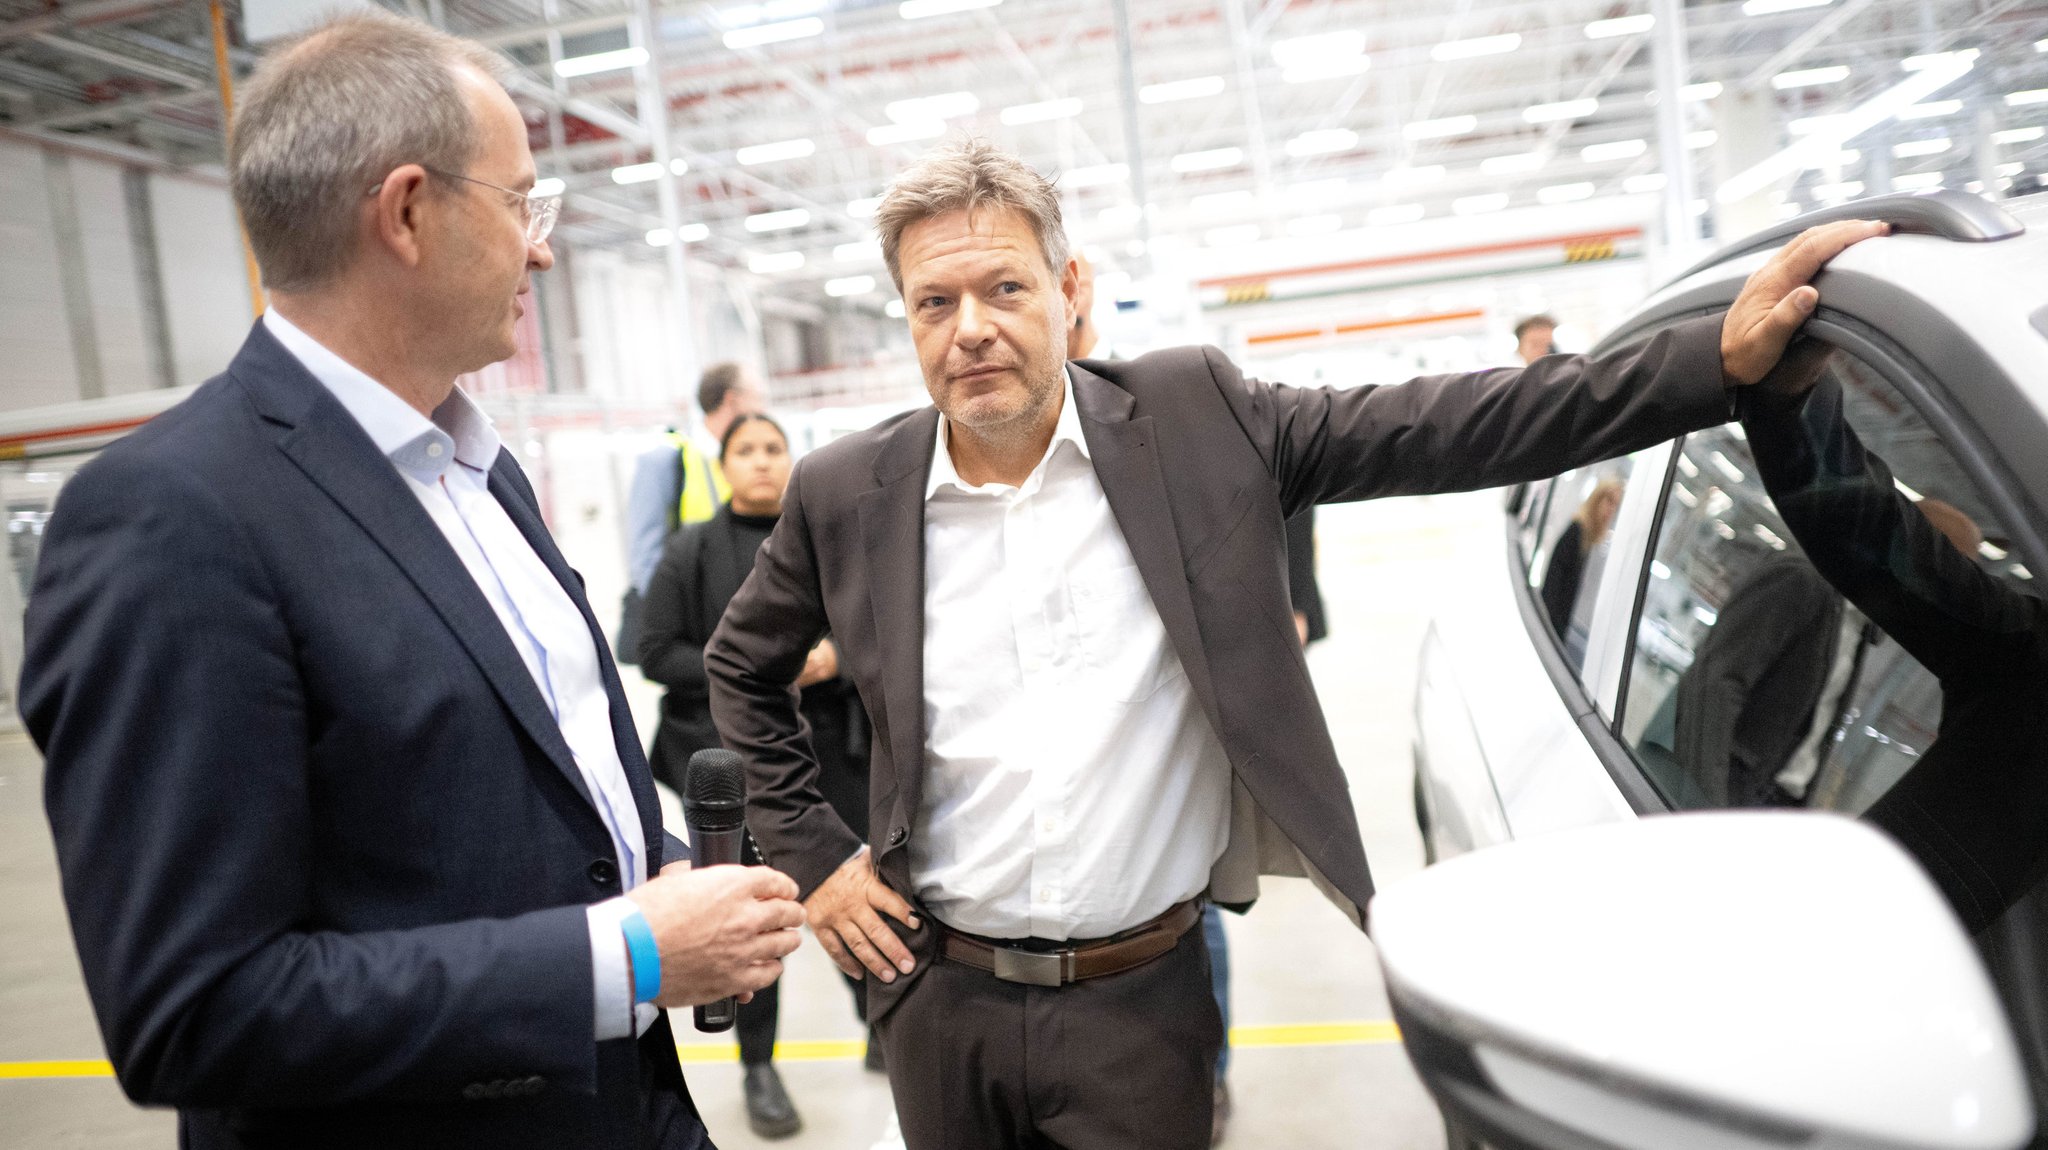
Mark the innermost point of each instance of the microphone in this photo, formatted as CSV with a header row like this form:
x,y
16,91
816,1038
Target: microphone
x,y
714,809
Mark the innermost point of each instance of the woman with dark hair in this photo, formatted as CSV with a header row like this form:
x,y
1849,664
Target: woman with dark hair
x,y
700,570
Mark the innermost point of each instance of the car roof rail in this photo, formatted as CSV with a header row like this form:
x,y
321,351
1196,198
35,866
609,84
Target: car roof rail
x,y
1950,214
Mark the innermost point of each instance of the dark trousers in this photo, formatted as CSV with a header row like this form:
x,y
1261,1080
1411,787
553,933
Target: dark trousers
x,y
1126,1062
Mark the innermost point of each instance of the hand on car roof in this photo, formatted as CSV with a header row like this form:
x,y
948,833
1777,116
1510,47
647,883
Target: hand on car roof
x,y
1779,296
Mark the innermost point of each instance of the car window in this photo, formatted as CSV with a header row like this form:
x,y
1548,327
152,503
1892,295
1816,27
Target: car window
x,y
1754,682
1529,516
1572,550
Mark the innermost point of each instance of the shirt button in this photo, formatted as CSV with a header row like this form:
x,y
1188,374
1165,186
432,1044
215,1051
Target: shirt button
x,y
1049,825
433,450
1045,894
604,872
897,835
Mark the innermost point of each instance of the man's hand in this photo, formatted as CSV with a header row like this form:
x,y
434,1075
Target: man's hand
x,y
821,664
1779,297
842,915
721,930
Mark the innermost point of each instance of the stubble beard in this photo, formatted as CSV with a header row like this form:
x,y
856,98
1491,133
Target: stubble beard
x,y
1007,432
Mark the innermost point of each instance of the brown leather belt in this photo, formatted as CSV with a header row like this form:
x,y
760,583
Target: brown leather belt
x,y
1113,955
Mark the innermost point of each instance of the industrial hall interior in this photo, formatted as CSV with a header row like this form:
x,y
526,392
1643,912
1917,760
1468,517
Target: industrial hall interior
x,y
987,574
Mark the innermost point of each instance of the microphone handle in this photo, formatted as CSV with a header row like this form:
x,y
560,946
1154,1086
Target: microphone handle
x,y
716,848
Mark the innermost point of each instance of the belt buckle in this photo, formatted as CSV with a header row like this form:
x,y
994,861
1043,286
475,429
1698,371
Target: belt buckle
x,y
1033,968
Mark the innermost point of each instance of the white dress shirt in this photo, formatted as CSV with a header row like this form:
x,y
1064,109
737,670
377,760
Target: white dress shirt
x,y
1072,787
446,463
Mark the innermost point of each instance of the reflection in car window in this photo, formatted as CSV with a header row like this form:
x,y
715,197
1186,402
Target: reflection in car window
x,y
1573,549
1529,516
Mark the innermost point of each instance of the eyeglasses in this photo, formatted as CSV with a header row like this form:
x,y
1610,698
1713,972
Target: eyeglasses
x,y
536,212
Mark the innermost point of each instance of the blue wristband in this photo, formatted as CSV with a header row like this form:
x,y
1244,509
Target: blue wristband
x,y
645,955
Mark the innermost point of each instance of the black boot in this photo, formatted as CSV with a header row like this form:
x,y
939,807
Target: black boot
x,y
769,1110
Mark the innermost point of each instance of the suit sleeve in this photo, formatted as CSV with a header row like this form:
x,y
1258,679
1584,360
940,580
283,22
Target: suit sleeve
x,y
162,683
753,660
1482,429
671,647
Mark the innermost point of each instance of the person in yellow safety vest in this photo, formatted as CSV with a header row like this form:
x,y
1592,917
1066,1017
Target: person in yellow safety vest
x,y
680,483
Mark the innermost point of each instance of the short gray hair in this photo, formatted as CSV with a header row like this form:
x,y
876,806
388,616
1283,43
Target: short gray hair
x,y
325,118
964,175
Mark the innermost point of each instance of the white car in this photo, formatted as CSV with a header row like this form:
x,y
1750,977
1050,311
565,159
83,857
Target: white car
x,y
1667,637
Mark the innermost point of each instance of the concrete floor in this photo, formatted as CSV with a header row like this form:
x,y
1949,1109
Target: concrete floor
x,y
1298,967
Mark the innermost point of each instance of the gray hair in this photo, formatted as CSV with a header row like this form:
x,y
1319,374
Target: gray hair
x,y
326,118
964,175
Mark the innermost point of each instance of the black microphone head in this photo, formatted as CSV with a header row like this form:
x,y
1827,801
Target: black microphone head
x,y
715,781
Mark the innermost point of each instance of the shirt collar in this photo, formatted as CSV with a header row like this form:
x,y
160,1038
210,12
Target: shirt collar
x,y
1066,430
421,447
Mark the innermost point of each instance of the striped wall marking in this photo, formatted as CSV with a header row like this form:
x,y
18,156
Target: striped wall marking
x,y
1293,1035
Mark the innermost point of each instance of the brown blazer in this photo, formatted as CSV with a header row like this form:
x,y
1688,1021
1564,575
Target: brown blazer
x,y
1201,467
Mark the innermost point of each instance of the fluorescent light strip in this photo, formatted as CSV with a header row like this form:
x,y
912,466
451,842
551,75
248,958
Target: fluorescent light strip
x,y
1564,193
548,186
921,9
761,34
925,109
1562,110
1441,128
1042,111
770,153
1702,139
1930,111
1211,160
1939,73
1322,48
2018,135
1645,184
1618,150
1327,70
636,173
1477,46
1322,142
2022,99
1810,77
1918,181
1773,7
769,263
1172,90
1912,148
850,285
1394,214
1836,193
1512,164
1479,205
1694,93
1323,225
778,221
893,309
1231,236
1223,203
1412,177
600,62
691,233
1620,26
858,251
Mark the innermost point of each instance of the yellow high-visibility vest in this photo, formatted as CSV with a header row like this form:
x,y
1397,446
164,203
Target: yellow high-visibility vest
x,y
705,490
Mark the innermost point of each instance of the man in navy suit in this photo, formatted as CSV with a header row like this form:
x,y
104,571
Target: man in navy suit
x,y
358,842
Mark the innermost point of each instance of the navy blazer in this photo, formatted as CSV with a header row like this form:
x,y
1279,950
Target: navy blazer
x,y
325,851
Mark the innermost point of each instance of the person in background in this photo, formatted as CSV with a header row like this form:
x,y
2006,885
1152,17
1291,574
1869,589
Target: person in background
x,y
679,483
355,833
1310,624
700,569
1567,568
1535,338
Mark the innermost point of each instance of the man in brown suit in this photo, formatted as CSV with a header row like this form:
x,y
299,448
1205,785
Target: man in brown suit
x,y
1063,594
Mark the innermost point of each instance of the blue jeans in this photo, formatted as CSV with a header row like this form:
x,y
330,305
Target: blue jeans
x,y
1219,978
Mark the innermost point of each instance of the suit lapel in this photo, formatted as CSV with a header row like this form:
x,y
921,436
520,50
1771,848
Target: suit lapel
x,y
892,549
508,484
333,451
1126,458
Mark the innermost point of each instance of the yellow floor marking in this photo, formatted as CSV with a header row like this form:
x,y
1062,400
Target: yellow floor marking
x,y
81,1068
1368,1033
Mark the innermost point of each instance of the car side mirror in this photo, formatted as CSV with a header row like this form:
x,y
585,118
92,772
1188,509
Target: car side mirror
x,y
1712,981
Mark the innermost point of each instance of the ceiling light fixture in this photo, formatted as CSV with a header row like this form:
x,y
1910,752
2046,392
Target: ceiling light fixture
x,y
1620,26
1561,110
780,221
769,263
1477,46
1512,164
600,62
1093,175
1323,225
1042,111
882,135
548,186
776,33
1810,77
921,9
923,109
849,285
1912,148
2022,99
1322,142
1439,129
1231,236
1193,89
1564,193
2018,135
1617,150
1394,214
1208,160
770,153
1479,205
636,173
1645,184
1932,110
1773,7
857,252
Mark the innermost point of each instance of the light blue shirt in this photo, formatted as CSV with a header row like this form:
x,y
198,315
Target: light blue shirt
x,y
446,463
651,500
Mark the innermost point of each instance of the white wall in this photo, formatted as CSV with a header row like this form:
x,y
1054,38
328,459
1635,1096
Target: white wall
x,y
36,364
206,289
